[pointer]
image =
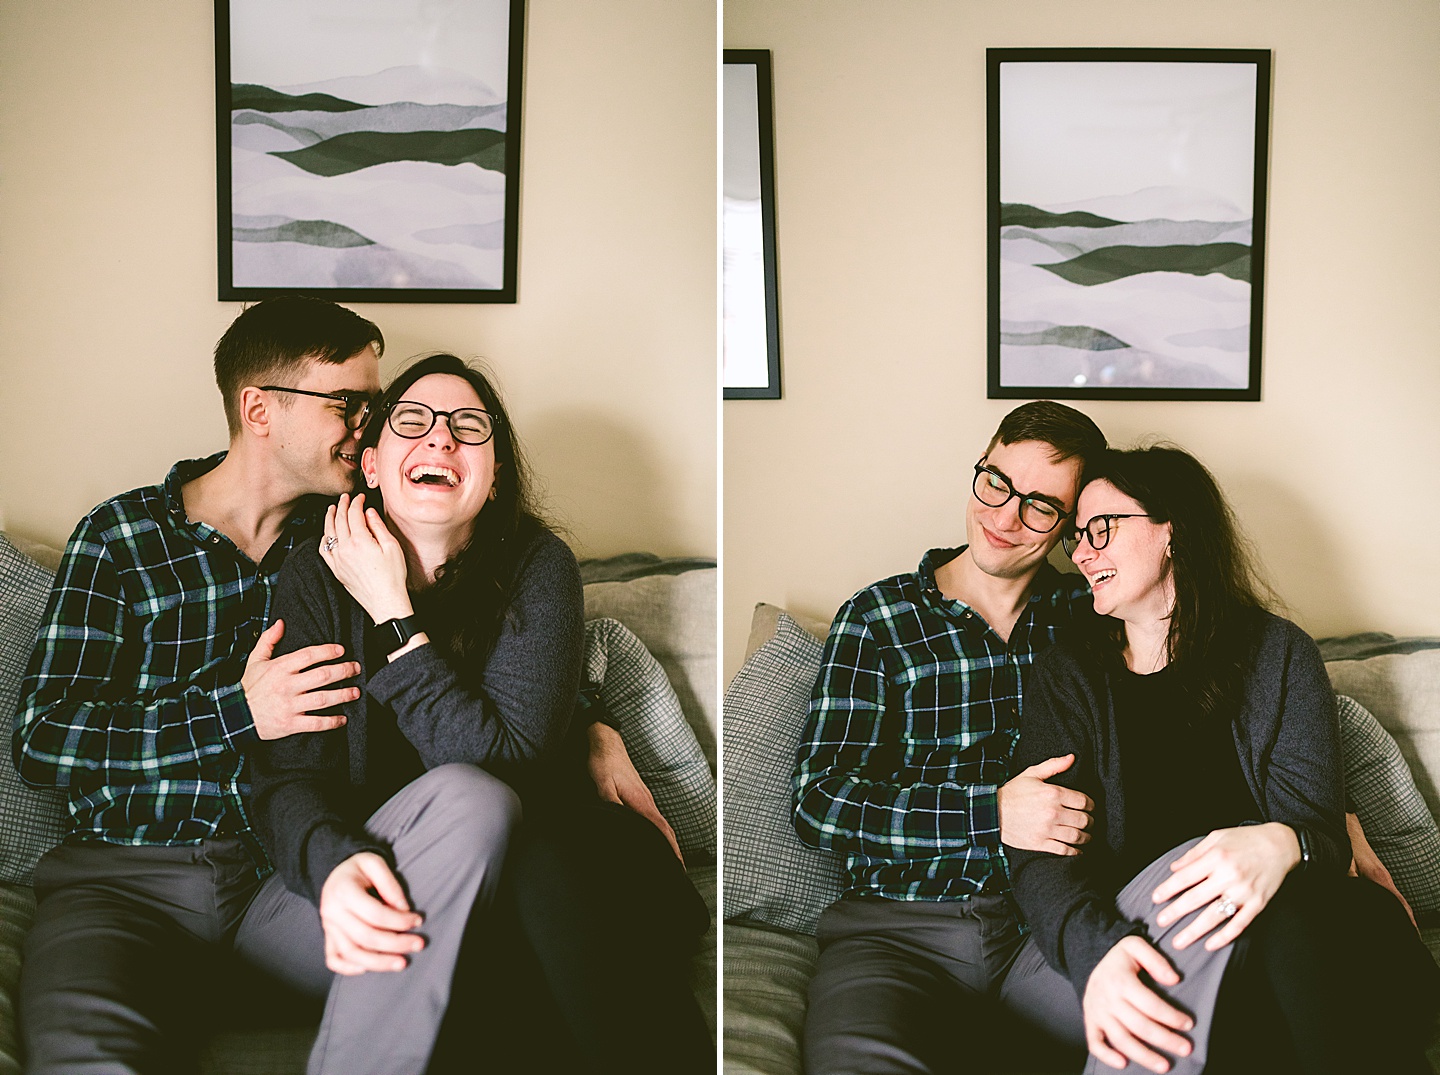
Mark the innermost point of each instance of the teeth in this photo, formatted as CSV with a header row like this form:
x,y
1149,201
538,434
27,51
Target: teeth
x,y
430,474
1104,576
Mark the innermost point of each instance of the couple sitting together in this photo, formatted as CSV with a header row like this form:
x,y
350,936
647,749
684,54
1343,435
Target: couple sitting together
x,y
368,694
1153,784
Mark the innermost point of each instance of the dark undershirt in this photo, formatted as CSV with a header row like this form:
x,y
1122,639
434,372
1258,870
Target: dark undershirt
x,y
1181,773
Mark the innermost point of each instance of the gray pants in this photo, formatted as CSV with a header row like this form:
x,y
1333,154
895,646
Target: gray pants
x,y
896,980
894,977
126,937
1200,971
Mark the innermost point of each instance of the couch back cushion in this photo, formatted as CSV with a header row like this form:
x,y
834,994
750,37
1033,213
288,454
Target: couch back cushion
x,y
31,821
1380,789
673,613
770,876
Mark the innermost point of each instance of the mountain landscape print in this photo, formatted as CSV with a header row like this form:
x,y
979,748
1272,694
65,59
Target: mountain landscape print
x,y
387,168
1124,252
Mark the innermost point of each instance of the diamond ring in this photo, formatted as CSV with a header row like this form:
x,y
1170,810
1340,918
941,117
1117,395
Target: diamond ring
x,y
1226,906
331,542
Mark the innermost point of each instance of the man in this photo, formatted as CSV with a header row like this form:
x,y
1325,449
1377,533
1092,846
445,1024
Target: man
x,y
904,769
154,672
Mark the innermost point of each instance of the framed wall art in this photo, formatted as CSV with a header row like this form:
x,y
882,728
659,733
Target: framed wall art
x,y
751,293
368,151
1126,230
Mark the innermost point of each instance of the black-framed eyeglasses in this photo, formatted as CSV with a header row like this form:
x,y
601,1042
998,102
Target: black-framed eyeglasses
x,y
1097,531
994,490
357,404
469,425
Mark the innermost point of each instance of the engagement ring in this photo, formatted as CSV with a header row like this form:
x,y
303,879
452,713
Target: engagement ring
x,y
331,542
1226,906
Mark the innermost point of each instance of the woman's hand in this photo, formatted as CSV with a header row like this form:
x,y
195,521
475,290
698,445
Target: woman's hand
x,y
1365,863
367,919
366,558
617,781
1233,874
1124,1017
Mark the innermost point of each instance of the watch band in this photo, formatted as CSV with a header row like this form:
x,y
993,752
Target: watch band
x,y
1303,835
398,631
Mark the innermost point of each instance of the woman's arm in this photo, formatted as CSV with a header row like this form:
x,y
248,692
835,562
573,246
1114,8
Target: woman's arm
x,y
519,707
1074,918
298,783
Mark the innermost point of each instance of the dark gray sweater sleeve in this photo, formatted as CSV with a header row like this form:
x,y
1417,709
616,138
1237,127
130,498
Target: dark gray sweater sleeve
x,y
521,707
1072,913
1291,716
299,783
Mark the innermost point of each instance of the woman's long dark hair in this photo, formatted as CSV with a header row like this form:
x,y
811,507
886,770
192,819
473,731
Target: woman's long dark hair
x,y
1218,590
472,592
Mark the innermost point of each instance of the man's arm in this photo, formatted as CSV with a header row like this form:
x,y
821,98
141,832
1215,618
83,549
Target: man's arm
x,y
87,706
83,706
848,796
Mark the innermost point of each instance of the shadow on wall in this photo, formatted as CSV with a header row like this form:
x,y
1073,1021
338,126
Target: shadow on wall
x,y
602,483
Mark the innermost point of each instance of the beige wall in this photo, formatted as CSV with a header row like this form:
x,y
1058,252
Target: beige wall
x,y
107,264
880,159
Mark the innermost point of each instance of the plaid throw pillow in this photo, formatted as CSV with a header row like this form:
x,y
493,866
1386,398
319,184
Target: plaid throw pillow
x,y
770,876
31,821
1380,788
634,689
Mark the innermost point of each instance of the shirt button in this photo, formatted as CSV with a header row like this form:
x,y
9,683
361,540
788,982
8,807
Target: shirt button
x,y
214,539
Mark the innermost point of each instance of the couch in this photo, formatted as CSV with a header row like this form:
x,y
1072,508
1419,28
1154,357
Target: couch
x,y
650,643
775,887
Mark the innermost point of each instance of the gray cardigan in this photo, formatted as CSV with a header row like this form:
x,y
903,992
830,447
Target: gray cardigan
x,y
1287,737
518,715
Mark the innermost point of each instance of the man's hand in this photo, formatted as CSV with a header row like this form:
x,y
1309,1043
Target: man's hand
x,y
1365,863
1124,1017
367,919
1244,865
1037,816
283,692
617,781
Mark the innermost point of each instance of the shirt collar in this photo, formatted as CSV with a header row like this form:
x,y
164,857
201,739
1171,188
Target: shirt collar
x,y
1047,581
307,514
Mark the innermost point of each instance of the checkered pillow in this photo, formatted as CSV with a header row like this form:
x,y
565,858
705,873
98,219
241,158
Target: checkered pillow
x,y
660,741
31,821
1381,789
770,876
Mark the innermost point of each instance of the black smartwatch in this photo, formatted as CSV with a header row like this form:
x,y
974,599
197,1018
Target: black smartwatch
x,y
398,631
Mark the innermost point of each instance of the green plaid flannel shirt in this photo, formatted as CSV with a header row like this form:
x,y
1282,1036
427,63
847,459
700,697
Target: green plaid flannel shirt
x,y
132,699
912,723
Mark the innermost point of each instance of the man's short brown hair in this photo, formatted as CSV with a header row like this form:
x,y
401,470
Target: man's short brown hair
x,y
271,341
1070,434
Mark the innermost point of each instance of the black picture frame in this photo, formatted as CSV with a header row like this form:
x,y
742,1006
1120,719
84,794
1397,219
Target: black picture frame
x,y
437,240
1052,333
742,312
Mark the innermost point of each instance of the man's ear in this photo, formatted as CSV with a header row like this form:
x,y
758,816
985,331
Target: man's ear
x,y
254,411
368,468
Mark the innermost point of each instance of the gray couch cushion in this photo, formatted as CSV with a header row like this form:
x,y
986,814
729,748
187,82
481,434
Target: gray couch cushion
x,y
31,821
767,972
1382,792
661,744
770,876
674,615
1403,692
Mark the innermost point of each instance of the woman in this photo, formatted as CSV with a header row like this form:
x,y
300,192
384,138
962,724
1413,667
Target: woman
x,y
464,613
1205,730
